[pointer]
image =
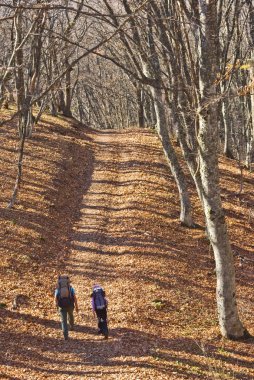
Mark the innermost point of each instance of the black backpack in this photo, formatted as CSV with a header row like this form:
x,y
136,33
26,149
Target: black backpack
x,y
99,299
64,297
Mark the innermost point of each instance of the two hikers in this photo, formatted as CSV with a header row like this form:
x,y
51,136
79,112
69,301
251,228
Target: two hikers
x,y
66,301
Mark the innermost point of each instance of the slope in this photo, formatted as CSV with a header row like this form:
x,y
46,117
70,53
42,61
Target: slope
x,y
103,207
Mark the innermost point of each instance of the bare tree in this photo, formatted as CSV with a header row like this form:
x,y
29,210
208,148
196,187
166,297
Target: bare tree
x,y
196,56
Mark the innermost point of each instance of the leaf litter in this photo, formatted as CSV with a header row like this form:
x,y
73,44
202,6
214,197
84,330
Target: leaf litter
x,y
102,206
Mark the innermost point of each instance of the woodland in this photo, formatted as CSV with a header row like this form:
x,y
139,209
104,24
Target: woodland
x,y
126,159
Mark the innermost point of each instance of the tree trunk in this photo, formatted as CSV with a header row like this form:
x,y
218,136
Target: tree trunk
x,y
140,101
19,173
227,150
186,210
250,140
152,69
230,324
67,106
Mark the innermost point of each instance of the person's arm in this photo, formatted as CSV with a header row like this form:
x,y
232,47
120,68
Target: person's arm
x,y
93,305
76,303
56,298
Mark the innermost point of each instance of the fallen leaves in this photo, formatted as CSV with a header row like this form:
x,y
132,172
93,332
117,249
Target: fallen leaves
x,y
103,206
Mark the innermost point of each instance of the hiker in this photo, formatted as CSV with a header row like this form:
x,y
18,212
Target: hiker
x,y
99,304
66,300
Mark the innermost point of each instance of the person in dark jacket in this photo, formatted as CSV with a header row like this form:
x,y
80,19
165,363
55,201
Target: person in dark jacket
x,y
66,301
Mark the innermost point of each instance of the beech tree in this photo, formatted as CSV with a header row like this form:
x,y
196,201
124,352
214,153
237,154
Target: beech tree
x,y
197,59
230,323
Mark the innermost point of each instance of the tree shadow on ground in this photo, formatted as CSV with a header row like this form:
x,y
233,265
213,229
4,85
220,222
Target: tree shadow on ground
x,y
89,355
127,347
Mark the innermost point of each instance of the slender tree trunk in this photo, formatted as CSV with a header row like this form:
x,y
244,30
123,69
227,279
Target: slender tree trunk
x,y
250,152
152,69
140,101
229,321
227,150
67,104
19,173
186,209
20,86
250,140
230,324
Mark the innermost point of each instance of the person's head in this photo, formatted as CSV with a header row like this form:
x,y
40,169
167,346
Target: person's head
x,y
94,287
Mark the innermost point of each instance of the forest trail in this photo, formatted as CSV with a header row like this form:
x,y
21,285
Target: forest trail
x,y
159,282
119,243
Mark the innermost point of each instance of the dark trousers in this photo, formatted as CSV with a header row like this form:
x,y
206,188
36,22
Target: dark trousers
x,y
102,319
66,312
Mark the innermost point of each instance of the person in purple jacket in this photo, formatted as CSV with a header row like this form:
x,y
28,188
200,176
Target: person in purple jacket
x,y
99,305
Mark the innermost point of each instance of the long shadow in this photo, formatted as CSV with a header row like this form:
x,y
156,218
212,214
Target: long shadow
x,y
127,348
88,355
58,195
91,271
7,377
49,323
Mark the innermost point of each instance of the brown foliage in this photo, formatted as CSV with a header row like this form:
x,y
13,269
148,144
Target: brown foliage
x,y
103,207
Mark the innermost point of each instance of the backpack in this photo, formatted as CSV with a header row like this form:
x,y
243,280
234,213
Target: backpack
x,y
99,298
65,297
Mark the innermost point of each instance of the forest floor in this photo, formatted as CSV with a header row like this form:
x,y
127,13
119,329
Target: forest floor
x,y
103,207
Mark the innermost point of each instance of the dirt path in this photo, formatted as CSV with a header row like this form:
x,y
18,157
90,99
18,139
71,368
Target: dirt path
x,y
115,246
160,284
